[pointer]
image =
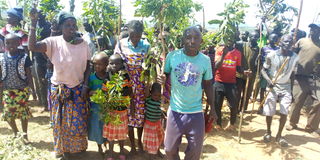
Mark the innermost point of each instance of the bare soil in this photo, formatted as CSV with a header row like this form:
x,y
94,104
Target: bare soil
x,y
218,145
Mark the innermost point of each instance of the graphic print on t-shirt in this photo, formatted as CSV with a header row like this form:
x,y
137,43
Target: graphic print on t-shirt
x,y
229,63
187,74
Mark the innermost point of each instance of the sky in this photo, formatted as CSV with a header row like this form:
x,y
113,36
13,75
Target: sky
x,y
212,7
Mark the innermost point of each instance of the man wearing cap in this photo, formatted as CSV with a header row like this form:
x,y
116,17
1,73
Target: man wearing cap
x,y
307,80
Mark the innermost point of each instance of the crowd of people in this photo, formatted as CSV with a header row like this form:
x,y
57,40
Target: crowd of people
x,y
65,68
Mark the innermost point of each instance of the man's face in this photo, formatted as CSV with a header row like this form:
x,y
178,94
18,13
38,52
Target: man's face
x,y
254,38
87,27
273,38
192,41
286,43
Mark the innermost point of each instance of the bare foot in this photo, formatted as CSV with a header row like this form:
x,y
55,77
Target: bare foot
x,y
218,127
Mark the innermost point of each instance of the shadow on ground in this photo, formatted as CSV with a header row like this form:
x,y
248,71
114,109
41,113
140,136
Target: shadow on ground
x,y
41,120
5,131
42,145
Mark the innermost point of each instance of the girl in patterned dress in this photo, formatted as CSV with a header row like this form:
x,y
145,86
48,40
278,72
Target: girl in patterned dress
x,y
16,79
133,50
96,79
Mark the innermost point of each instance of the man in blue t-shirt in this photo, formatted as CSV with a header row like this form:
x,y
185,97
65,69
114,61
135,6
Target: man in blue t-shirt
x,y
188,69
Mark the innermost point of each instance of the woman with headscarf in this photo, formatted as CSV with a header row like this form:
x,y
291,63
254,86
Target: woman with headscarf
x,y
14,18
70,57
133,50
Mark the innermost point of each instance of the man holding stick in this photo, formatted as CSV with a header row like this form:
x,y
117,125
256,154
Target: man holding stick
x,y
307,80
277,70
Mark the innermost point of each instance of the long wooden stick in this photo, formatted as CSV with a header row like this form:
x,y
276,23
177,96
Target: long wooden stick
x,y
120,18
242,109
204,20
298,22
275,80
255,87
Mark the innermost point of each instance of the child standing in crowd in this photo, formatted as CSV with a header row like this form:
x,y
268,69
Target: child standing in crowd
x,y
118,131
96,79
16,79
279,84
153,132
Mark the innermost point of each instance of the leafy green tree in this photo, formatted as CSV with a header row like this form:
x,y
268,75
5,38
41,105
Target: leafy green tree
x,y
172,14
275,14
167,13
50,8
3,8
232,16
103,14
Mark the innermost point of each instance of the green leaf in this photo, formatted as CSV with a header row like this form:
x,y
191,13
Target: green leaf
x,y
215,21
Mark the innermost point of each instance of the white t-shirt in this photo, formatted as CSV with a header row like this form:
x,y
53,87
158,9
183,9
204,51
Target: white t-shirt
x,y
274,61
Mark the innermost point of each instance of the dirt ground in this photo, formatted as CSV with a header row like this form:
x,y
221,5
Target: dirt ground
x,y
218,145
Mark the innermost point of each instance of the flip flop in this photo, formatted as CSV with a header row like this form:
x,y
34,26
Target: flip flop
x,y
267,138
282,142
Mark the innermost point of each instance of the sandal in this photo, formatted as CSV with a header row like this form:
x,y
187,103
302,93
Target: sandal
x,y
282,142
267,138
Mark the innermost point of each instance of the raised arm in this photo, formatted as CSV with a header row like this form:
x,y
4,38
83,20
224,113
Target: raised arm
x,y
220,59
33,45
